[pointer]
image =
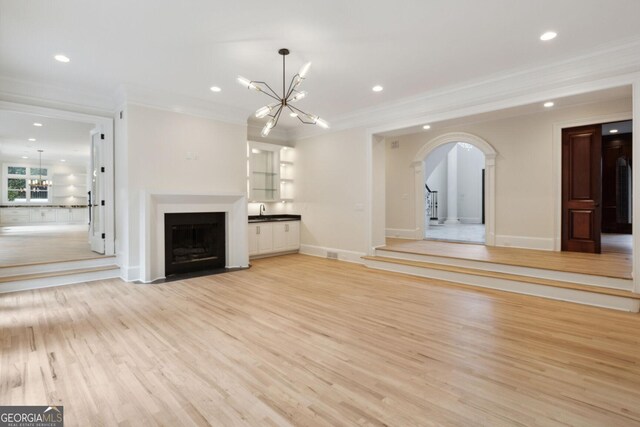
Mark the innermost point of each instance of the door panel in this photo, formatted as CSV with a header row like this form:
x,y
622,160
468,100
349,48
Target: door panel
x,y
581,188
96,226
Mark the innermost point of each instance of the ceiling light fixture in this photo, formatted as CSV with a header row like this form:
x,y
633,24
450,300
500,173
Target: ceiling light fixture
x,y
215,89
37,124
25,157
39,184
613,131
32,139
549,35
426,127
63,160
548,104
62,58
377,88
289,95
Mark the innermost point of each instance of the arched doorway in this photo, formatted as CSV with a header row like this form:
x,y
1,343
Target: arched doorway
x,y
419,166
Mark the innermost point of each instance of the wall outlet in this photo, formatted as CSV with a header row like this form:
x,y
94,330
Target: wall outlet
x,y
332,255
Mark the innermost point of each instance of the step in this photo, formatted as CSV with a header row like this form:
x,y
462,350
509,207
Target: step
x,y
45,267
600,296
57,278
565,276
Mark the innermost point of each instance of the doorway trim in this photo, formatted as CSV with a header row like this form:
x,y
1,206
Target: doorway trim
x,y
104,125
556,168
490,181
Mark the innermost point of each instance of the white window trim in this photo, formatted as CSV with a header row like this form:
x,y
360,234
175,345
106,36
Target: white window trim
x,y
6,176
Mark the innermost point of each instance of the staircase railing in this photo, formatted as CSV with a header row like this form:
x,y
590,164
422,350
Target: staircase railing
x,y
432,203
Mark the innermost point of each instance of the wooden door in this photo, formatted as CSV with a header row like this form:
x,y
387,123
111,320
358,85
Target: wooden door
x,y
581,188
616,183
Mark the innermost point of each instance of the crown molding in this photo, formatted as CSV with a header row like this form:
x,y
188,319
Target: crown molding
x,y
50,96
613,65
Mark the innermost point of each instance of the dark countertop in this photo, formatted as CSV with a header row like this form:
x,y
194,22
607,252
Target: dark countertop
x,y
43,206
274,218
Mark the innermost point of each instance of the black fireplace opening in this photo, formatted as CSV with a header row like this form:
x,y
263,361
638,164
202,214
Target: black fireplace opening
x,y
194,242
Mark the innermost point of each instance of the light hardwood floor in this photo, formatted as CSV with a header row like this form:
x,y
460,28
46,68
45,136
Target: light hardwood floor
x,y
37,244
297,340
609,264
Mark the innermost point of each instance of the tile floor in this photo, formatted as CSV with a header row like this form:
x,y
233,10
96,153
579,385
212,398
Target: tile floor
x,y
469,233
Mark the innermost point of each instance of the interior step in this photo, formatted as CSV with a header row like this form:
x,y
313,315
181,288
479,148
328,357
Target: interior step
x,y
22,282
602,296
541,273
45,267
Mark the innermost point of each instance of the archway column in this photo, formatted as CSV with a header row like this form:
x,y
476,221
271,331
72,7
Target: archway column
x,y
452,186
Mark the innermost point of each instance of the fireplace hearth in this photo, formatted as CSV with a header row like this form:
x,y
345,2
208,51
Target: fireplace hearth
x,y
194,242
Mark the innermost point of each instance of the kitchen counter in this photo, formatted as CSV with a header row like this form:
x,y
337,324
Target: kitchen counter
x,y
274,218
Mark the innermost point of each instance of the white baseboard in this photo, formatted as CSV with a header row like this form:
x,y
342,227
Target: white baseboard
x,y
343,255
471,220
401,233
129,274
540,243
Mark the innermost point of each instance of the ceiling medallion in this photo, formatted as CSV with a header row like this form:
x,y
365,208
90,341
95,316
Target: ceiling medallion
x,y
289,96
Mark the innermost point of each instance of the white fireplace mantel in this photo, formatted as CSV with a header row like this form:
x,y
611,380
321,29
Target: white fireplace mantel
x,y
156,203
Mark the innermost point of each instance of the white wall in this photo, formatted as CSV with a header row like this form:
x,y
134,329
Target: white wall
x,y
524,187
331,189
157,146
470,165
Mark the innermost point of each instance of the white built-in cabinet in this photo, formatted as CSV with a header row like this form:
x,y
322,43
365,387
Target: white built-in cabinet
x,y
43,215
273,237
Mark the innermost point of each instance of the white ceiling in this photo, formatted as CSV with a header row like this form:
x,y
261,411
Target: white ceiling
x,y
60,139
409,46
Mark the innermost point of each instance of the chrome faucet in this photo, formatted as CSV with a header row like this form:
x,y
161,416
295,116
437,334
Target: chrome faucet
x,y
262,209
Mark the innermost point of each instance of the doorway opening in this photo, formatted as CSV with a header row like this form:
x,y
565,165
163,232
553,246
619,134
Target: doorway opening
x,y
52,187
454,194
597,188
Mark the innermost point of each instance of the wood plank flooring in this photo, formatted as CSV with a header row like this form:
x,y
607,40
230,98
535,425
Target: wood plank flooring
x,y
297,340
39,244
612,264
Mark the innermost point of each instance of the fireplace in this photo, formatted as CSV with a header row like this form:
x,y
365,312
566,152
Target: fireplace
x,y
194,241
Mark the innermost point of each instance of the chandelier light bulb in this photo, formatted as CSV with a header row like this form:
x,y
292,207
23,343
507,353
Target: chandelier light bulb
x,y
265,130
264,111
247,83
322,123
304,70
298,96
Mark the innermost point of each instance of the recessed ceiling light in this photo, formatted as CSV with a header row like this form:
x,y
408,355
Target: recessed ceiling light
x,y
426,127
549,35
293,114
62,58
32,139
377,88
215,89
548,104
25,157
63,160
613,131
37,124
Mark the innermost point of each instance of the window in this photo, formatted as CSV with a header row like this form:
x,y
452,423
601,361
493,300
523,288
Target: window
x,y
16,184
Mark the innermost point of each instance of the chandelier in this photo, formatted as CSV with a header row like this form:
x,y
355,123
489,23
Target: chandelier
x,y
39,184
289,95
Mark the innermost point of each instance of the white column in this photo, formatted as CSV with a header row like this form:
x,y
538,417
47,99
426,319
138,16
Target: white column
x,y
452,186
636,186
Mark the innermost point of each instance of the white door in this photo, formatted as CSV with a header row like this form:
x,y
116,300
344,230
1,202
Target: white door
x,y
279,236
253,239
265,238
96,196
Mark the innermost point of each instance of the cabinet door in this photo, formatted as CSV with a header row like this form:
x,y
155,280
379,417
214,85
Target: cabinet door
x,y
49,215
253,239
265,238
79,214
279,236
293,235
63,215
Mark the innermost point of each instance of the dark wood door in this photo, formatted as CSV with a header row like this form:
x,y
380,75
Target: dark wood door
x,y
581,188
616,183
